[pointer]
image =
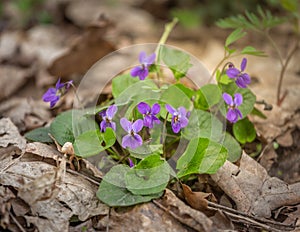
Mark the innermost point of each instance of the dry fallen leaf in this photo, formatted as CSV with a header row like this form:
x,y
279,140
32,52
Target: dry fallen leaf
x,y
12,74
185,214
88,49
253,190
198,200
9,136
26,114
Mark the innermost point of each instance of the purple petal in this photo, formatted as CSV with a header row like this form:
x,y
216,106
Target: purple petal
x,y
143,74
240,82
126,125
227,98
148,122
58,85
239,113
50,95
103,125
170,109
53,102
143,108
113,125
111,111
131,164
142,57
137,125
243,64
132,141
232,115
182,111
150,59
232,72
183,122
136,71
238,99
68,84
175,126
155,108
246,78
155,119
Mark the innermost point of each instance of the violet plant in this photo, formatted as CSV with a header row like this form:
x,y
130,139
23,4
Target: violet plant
x,y
148,121
261,23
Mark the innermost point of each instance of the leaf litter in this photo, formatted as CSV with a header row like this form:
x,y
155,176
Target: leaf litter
x,y
41,187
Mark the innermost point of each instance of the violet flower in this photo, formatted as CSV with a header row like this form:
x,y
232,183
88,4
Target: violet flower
x,y
233,113
241,79
53,95
149,113
107,117
179,118
131,164
132,139
142,71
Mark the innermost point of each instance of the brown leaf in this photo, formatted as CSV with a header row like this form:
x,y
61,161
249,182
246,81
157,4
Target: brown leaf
x,y
185,214
253,190
88,49
9,135
26,114
198,200
12,78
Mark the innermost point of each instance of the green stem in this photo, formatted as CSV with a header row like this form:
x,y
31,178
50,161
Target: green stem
x,y
168,28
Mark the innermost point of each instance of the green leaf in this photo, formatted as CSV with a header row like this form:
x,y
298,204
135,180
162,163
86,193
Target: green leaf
x,y
252,51
201,156
93,142
290,5
178,61
244,131
176,97
207,96
149,176
233,147
112,190
39,135
234,36
121,83
132,93
203,124
71,124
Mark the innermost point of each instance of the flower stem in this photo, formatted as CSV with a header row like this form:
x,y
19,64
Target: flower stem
x,y
168,28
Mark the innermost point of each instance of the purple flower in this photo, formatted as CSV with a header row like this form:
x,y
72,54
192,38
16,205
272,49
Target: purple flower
x,y
107,118
149,113
131,164
241,79
233,113
179,118
142,71
132,139
53,94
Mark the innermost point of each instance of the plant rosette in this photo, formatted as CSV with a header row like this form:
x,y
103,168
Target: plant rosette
x,y
154,130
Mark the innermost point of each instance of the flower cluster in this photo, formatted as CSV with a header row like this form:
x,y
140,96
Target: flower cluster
x,y
242,80
132,139
54,94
